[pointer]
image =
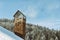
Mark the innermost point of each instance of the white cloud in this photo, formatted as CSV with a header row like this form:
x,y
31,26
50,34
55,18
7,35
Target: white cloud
x,y
5,37
31,12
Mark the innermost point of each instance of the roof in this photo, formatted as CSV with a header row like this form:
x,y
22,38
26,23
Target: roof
x,y
18,13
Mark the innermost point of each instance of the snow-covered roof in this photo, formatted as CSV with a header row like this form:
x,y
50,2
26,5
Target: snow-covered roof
x,y
18,13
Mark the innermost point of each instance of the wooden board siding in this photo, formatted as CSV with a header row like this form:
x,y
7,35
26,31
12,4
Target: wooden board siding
x,y
19,22
20,27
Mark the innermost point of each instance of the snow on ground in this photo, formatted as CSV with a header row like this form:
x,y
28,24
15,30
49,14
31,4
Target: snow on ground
x,y
5,37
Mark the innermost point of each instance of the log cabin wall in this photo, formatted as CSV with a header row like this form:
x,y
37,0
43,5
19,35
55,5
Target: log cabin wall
x,y
19,28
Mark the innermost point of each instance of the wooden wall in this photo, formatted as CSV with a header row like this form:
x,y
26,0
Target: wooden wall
x,y
20,27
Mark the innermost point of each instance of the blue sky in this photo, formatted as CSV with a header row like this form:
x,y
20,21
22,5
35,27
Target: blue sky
x,y
41,12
